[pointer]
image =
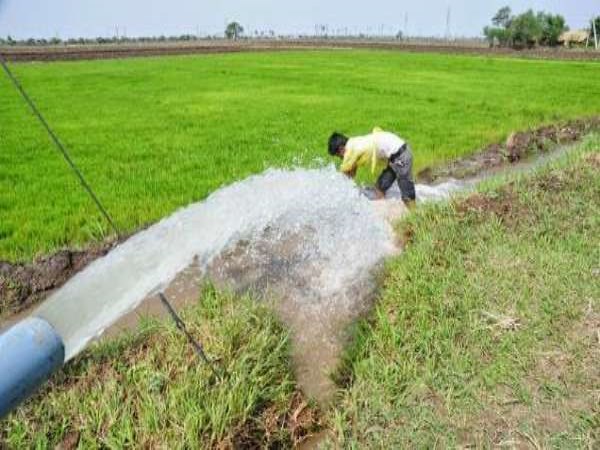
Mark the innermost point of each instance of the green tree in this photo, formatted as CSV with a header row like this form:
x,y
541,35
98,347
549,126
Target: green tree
x,y
234,30
499,34
503,17
525,30
597,21
552,27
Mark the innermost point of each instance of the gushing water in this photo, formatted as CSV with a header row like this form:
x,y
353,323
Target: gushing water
x,y
305,238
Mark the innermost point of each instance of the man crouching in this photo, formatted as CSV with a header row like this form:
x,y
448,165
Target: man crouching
x,y
372,148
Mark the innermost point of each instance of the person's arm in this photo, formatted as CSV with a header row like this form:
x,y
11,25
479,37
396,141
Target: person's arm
x,y
349,164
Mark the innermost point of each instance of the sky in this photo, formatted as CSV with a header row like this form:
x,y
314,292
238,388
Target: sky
x,y
91,18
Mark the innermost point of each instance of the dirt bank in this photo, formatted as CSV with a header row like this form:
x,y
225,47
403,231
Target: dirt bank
x,y
128,50
23,285
519,146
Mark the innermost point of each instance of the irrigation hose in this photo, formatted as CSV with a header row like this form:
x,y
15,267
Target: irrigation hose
x,y
57,143
181,325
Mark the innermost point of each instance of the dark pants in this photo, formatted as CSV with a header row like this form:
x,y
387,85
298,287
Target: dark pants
x,y
399,169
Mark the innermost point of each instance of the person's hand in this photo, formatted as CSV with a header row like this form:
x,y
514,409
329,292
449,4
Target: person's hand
x,y
379,195
351,173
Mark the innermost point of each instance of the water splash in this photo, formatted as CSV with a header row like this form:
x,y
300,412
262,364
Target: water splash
x,y
115,283
304,238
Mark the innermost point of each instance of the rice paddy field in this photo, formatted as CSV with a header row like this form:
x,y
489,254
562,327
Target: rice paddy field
x,y
484,331
155,134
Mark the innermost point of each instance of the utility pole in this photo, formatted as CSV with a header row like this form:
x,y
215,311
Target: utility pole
x,y
448,17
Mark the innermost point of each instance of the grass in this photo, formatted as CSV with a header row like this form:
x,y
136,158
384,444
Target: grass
x,y
154,134
485,334
486,330
151,390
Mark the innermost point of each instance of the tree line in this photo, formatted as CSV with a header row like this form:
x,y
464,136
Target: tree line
x,y
528,29
525,30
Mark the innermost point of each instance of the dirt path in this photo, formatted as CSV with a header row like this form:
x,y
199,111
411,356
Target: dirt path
x,y
128,50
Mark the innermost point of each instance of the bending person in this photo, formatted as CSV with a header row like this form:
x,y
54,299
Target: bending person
x,y
372,148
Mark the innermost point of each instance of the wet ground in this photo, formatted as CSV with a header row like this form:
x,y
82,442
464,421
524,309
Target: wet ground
x,y
278,269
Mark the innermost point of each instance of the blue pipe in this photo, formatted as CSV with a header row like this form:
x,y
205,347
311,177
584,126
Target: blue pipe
x,y
30,352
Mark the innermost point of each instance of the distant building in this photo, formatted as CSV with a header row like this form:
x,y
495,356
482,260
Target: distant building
x,y
575,37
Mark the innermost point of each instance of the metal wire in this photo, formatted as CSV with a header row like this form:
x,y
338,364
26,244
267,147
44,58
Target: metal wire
x,y
181,325
58,144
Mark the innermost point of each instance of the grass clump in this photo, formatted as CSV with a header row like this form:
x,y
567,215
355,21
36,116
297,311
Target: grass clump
x,y
486,331
151,390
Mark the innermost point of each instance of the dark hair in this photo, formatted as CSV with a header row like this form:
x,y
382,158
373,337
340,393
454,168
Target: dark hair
x,y
336,140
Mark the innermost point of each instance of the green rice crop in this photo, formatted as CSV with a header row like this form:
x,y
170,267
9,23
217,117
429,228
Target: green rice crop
x,y
154,134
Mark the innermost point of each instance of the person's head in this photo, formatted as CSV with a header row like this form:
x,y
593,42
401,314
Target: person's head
x,y
337,144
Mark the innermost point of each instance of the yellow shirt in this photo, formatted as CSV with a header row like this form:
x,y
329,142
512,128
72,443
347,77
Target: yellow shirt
x,y
370,150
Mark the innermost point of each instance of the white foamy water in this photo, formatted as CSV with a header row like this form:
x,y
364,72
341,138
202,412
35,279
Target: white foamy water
x,y
117,282
440,191
348,236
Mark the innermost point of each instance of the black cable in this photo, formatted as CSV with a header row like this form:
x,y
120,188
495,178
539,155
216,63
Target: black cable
x,y
181,325
58,144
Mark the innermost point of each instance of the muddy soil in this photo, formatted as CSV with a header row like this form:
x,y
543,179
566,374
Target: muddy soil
x,y
518,147
128,50
23,285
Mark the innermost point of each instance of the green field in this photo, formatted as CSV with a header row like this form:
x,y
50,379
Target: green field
x,y
485,335
152,135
